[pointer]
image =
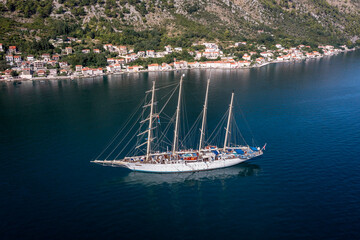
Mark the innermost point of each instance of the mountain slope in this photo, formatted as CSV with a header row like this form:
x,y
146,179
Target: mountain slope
x,y
153,23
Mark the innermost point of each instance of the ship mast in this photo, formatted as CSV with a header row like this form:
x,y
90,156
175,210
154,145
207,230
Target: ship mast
x,y
204,116
229,119
176,130
150,122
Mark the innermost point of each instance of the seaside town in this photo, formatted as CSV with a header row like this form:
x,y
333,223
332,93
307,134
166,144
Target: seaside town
x,y
122,58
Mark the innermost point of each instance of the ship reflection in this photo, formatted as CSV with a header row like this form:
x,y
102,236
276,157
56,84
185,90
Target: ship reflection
x,y
241,170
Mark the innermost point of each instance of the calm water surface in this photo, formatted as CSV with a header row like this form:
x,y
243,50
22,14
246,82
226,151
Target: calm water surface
x,y
306,186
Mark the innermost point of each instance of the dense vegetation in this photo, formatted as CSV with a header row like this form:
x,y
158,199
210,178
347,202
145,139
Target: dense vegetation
x,y
153,24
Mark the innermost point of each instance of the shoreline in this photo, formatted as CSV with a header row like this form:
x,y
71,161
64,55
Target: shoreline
x,y
19,79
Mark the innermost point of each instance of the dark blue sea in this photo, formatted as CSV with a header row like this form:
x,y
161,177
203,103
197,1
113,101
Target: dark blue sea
x,y
305,186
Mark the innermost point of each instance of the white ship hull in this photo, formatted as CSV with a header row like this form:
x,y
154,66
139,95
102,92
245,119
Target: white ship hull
x,y
180,166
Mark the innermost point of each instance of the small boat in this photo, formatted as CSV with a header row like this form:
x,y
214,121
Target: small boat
x,y
205,157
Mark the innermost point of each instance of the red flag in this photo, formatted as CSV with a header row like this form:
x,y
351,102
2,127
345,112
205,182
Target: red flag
x,y
263,148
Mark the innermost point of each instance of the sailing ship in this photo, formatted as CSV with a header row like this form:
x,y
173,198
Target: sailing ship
x,y
205,157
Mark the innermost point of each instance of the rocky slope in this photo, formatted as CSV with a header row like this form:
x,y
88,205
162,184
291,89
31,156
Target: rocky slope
x,y
182,21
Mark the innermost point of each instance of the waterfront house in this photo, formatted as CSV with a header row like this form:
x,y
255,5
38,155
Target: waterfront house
x,y
8,72
233,65
165,67
26,73
68,50
310,55
78,68
87,71
52,72
117,67
110,68
9,58
244,63
41,73
180,65
134,68
286,57
98,71
246,57
220,64
329,47
260,60
12,49
63,71
280,58
316,53
193,64
203,64
154,67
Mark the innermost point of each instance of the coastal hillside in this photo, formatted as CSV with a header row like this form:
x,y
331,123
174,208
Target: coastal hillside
x,y
153,24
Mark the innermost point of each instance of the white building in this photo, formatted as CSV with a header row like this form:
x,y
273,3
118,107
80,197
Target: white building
x,y
17,59
165,67
9,58
150,53
168,49
78,68
246,57
244,63
26,73
154,67
193,64
46,57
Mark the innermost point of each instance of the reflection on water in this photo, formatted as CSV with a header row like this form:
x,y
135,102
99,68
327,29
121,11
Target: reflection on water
x,y
148,179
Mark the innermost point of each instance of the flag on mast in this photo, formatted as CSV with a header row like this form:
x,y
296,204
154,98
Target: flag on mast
x,y
263,148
